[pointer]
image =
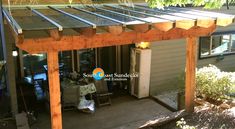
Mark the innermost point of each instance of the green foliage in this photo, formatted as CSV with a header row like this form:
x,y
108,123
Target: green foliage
x,y
213,83
208,4
183,125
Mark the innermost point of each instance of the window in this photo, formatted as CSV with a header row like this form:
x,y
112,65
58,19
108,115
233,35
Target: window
x,y
34,63
217,45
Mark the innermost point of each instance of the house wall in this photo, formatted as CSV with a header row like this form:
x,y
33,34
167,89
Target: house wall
x,y
228,63
168,65
168,61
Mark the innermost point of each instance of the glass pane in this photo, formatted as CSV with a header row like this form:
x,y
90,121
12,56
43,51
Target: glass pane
x,y
87,60
220,44
92,18
142,16
205,46
33,64
65,58
127,20
65,21
29,21
233,42
158,14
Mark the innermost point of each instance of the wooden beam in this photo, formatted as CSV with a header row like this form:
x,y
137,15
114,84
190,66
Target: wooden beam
x,y
19,38
41,45
191,45
224,21
87,32
115,30
141,28
164,26
55,34
205,22
185,24
54,89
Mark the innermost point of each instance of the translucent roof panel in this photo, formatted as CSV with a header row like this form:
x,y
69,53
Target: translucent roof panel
x,y
157,14
29,21
42,17
63,20
138,15
176,13
89,17
127,20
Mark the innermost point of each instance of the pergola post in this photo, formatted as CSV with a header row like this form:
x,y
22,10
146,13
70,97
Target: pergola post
x,y
190,73
54,89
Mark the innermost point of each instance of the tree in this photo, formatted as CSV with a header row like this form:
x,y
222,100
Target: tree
x,y
208,4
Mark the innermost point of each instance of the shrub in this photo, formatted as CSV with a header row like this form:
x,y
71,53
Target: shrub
x,y
213,83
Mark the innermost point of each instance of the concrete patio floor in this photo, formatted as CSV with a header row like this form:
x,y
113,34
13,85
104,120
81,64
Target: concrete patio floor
x,y
125,112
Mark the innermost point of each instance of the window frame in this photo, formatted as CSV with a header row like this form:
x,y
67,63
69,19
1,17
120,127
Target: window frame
x,y
215,55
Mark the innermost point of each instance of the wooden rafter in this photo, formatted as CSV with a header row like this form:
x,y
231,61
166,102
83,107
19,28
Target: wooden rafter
x,y
86,32
55,34
142,28
164,26
115,30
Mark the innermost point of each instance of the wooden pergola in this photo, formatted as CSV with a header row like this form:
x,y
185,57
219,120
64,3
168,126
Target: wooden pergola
x,y
96,26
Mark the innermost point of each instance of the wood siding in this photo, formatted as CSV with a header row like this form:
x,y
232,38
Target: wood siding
x,y
168,62
168,65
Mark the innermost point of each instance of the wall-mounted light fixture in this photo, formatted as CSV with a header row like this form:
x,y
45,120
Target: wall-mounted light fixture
x,y
14,53
143,45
